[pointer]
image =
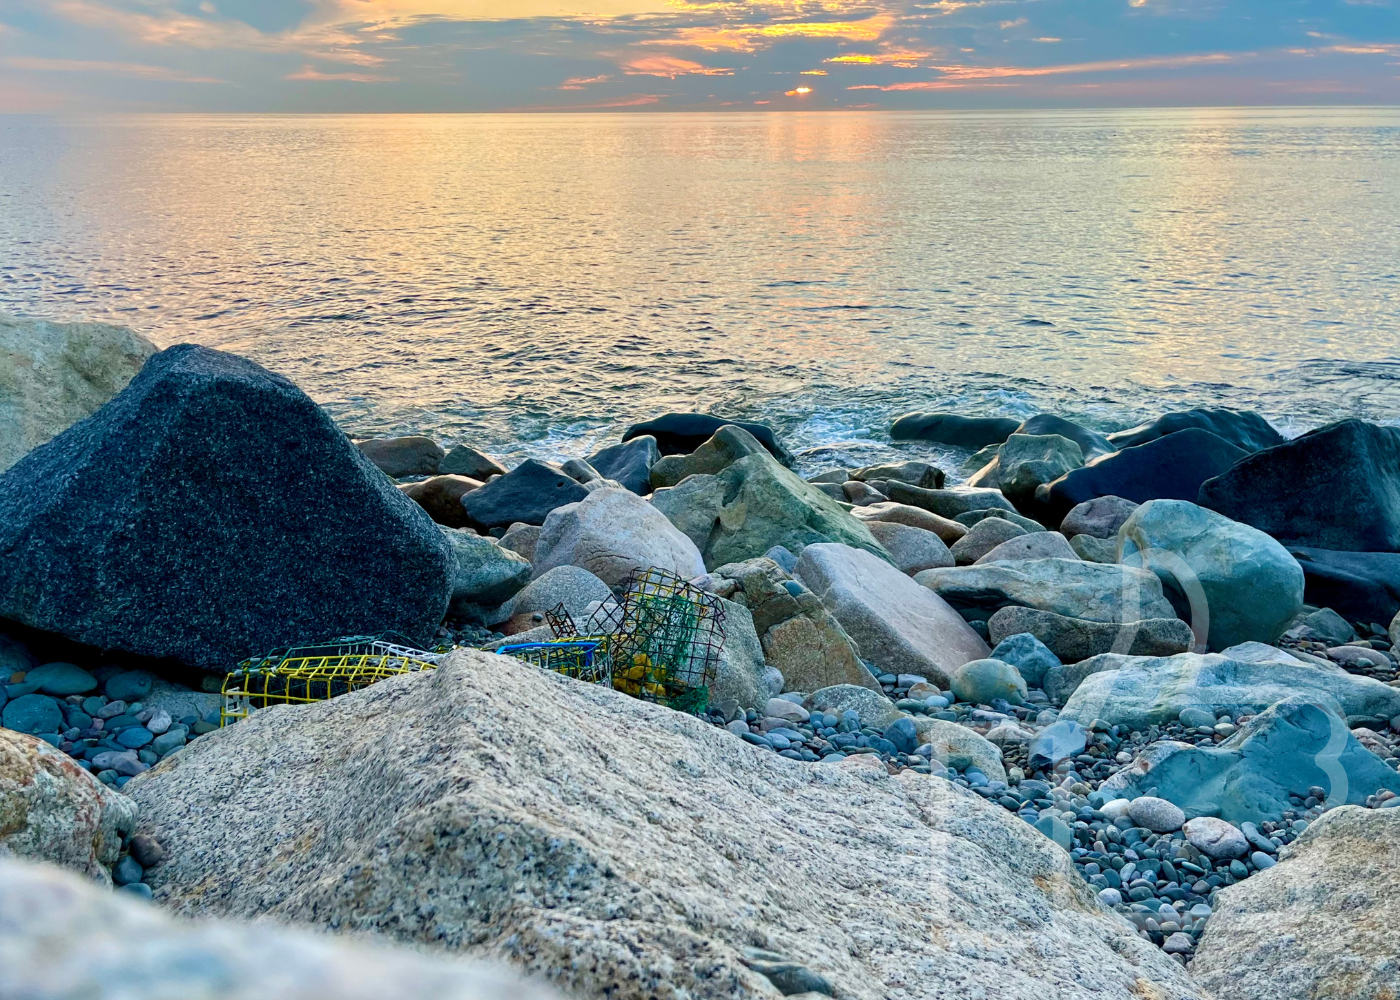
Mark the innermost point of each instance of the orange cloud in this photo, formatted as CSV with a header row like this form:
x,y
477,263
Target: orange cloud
x,y
957,72
310,73
670,68
579,82
900,58
751,37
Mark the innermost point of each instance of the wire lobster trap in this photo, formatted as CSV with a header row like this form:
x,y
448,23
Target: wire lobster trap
x,y
299,675
581,659
661,642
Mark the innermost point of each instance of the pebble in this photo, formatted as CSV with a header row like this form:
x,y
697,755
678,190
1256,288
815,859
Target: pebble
x,y
1157,815
137,889
1261,860
127,870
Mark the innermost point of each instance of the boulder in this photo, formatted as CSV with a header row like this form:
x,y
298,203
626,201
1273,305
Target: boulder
x,y
982,537
972,517
1337,487
55,374
612,533
60,939
1235,583
727,446
1153,690
483,573
1284,751
61,679
682,433
959,747
217,544
739,672
1073,639
914,517
629,463
464,461
901,627
1215,838
526,494
1324,624
522,538
951,429
1100,517
913,549
1056,742
441,498
404,456
874,709
1244,429
1319,925
571,586
930,477
1026,461
1062,681
52,810
1064,586
982,682
1167,468
861,494
615,867
1039,545
949,502
754,505
1091,443
1091,549
1361,586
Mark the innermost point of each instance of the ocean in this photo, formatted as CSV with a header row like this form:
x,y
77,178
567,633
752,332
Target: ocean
x,y
531,284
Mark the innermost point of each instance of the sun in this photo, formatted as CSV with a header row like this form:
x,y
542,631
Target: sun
x,y
799,92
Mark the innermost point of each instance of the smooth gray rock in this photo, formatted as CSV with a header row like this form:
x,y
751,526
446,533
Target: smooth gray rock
x,y
1216,838
465,461
875,710
1148,690
930,477
1156,814
983,681
571,586
1360,586
404,456
739,674
900,626
1100,517
1238,583
959,747
1026,461
1062,681
1031,657
1064,586
1287,749
614,533
1039,545
971,517
1074,639
953,429
61,679
982,538
629,463
948,502
61,938
1319,925
1091,443
1244,429
913,549
1324,625
527,493
483,573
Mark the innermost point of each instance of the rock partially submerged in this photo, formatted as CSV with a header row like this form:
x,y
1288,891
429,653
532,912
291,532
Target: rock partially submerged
x,y
682,433
630,867
953,429
1244,429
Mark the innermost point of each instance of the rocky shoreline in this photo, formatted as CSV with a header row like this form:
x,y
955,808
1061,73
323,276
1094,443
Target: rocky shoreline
x,y
1166,655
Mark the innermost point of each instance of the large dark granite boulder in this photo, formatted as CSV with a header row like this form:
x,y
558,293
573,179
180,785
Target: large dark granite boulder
x,y
951,429
527,493
1359,586
682,433
1242,428
1091,443
1168,468
208,512
1337,487
629,463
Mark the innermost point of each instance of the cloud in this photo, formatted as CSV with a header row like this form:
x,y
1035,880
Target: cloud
x,y
136,70
669,67
580,82
310,73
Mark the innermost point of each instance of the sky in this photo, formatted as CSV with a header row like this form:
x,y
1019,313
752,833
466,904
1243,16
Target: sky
x,y
681,55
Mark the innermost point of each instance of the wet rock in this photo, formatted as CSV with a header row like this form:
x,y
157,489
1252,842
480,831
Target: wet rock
x,y
1091,443
948,502
629,463
952,429
1062,586
727,446
682,433
1026,461
403,456
913,549
982,537
612,534
1244,429
930,477
441,498
527,494
465,461
1074,639
1100,517
1362,586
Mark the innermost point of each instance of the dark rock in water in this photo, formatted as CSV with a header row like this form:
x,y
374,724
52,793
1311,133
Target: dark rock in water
x,y
464,461
951,429
1091,443
1285,750
1359,586
441,498
1242,428
1168,468
950,502
404,456
526,494
1337,487
682,433
1055,743
629,463
178,521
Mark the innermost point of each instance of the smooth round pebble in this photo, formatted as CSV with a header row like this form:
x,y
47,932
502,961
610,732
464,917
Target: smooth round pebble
x,y
1157,815
1110,897
982,682
1216,838
136,889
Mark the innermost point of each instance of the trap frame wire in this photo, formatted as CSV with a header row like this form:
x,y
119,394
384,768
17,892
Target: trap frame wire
x,y
300,675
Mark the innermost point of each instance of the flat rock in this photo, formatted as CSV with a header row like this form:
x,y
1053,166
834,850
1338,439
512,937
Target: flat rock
x,y
1091,549
983,537
1100,517
948,502
613,533
952,429
1248,778
1062,681
56,374
465,461
60,938
913,549
1244,429
629,463
403,456
1154,690
1361,586
1337,487
682,433
1074,639
211,529
1039,545
1235,582
1067,587
53,810
1319,925
441,498
947,530
61,679
615,867
897,624
526,494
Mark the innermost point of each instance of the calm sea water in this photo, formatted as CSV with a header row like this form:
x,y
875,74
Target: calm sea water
x,y
531,284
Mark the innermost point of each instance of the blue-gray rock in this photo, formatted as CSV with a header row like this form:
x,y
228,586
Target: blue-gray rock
x,y
1337,487
211,529
783,558
1091,444
1325,625
682,433
629,463
970,517
1244,429
982,682
571,586
1074,639
1262,860
403,456
1196,718
1361,586
1070,587
1031,657
903,735
526,494
131,686
952,429
1283,751
483,573
1056,742
1056,829
948,502
15,657
33,713
127,871
135,737
140,889
1100,517
466,461
166,742
61,679
1167,468
1232,582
